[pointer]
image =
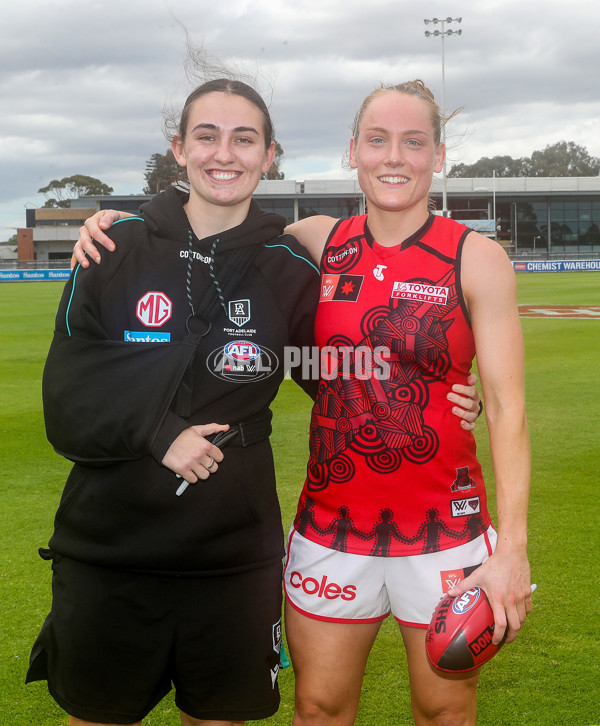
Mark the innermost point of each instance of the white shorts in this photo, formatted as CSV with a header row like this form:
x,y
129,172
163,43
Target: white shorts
x,y
325,584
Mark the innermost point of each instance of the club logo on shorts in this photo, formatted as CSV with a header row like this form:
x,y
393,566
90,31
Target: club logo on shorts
x,y
239,312
277,633
466,601
465,507
154,309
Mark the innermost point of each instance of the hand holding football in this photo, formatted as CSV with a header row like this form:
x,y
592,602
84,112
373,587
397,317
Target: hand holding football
x,y
459,636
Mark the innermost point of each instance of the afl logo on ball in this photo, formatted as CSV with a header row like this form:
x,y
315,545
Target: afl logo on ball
x,y
154,309
466,601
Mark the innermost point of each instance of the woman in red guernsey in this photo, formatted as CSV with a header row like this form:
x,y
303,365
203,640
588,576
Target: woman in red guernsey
x,y
393,511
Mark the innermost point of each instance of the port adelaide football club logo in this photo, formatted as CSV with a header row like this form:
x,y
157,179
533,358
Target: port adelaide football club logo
x,y
242,360
239,312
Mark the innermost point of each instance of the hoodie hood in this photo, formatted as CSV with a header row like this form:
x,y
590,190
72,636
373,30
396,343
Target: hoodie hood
x,y
165,216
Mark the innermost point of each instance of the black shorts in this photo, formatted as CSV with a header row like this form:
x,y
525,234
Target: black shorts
x,y
114,642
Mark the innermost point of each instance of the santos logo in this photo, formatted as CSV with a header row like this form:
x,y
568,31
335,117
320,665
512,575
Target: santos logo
x,y
154,309
328,590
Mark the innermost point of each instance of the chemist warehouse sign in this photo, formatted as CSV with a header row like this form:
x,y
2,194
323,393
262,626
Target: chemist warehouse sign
x,y
557,266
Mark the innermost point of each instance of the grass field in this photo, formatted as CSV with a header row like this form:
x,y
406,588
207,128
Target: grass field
x,y
549,677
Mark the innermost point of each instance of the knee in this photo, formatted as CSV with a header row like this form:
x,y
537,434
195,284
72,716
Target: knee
x,y
311,712
447,716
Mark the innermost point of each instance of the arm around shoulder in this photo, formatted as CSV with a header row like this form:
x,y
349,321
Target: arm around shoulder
x,y
312,233
93,230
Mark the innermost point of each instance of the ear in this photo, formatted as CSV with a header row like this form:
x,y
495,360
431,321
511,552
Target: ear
x,y
352,155
269,156
440,155
178,152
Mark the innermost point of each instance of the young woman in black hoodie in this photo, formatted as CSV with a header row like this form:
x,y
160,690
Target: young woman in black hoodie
x,y
174,344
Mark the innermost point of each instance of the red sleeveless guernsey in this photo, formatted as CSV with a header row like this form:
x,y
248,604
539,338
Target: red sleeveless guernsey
x,y
391,471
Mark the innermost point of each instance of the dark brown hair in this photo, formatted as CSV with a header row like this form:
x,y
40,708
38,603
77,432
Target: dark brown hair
x,y
234,88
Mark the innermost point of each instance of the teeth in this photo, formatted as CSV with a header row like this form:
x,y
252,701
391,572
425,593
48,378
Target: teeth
x,y
393,179
224,175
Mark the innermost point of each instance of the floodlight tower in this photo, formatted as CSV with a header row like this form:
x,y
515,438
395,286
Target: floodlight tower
x,y
442,33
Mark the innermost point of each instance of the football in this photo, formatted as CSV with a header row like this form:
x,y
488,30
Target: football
x,y
459,636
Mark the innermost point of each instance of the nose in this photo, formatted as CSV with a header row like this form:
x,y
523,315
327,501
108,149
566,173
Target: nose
x,y
395,157
224,152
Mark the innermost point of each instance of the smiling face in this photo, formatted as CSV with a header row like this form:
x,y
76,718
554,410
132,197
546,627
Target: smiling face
x,y
224,151
396,153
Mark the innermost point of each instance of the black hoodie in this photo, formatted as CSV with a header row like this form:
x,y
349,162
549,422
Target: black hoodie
x,y
171,331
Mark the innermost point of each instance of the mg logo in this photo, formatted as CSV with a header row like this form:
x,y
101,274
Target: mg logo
x,y
154,309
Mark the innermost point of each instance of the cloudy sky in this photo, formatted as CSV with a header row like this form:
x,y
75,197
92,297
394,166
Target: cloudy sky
x,y
83,84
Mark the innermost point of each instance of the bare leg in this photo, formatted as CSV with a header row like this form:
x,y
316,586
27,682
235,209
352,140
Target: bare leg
x,y
438,699
329,661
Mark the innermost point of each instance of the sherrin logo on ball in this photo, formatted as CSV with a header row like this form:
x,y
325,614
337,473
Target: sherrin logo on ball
x,y
459,636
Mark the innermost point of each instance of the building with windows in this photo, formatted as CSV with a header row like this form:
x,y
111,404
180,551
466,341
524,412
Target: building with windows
x,y
544,217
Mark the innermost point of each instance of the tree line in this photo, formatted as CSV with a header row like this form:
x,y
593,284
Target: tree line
x,y
565,158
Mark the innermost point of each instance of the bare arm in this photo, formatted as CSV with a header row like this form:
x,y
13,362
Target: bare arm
x,y
490,290
93,227
312,233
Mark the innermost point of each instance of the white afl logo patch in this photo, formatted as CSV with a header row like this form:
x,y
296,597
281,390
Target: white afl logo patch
x,y
154,309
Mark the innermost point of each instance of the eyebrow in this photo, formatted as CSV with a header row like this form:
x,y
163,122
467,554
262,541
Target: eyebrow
x,y
378,129
236,130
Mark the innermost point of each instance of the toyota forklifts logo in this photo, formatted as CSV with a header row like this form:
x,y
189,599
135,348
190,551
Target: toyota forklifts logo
x,y
154,309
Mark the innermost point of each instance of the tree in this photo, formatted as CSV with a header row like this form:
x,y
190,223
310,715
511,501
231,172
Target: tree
x,y
274,170
502,165
560,159
60,192
564,159
161,171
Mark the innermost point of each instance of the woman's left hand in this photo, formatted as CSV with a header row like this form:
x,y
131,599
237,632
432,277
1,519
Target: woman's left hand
x,y
467,402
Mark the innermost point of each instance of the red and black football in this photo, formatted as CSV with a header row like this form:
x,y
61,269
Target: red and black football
x,y
459,636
